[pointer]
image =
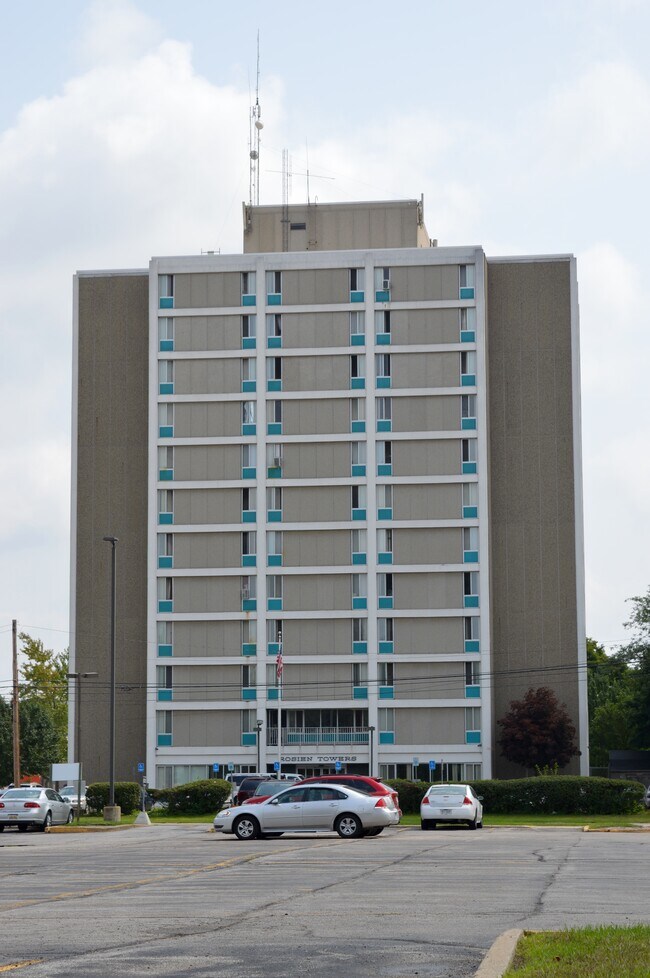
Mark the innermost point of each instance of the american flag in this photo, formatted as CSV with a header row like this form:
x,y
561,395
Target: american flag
x,y
279,665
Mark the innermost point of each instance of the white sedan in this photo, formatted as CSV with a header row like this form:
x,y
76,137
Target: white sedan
x,y
310,808
451,803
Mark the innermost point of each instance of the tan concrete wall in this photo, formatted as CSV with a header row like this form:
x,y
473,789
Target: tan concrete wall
x,y
316,547
428,590
436,502
316,460
315,286
194,684
445,725
317,593
326,416
205,290
320,636
533,569
204,462
207,638
315,329
428,635
414,283
202,594
316,504
207,333
324,373
207,506
206,728
425,326
317,682
433,457
442,545
207,376
436,413
207,550
429,680
203,418
425,370
112,458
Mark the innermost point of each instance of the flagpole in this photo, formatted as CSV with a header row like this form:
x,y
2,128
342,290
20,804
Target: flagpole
x,y
279,667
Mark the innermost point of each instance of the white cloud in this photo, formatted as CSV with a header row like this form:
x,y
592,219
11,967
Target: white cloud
x,y
114,31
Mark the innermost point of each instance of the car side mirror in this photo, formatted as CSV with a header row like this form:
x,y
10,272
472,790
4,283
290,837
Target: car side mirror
x,y
274,801
480,797
67,800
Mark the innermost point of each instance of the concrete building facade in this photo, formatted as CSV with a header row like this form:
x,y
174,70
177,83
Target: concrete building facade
x,y
347,445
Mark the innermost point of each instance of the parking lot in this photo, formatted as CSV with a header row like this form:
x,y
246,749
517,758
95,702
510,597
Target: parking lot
x,y
179,900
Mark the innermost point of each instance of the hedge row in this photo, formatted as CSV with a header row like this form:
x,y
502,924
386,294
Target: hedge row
x,y
554,795
127,796
196,798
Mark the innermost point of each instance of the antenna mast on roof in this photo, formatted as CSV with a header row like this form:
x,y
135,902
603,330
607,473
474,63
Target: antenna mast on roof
x,y
256,125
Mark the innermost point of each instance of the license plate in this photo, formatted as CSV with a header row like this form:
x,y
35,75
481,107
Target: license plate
x,y
445,811
13,816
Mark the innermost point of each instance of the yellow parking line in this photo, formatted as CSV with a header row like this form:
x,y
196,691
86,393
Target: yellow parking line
x,y
19,964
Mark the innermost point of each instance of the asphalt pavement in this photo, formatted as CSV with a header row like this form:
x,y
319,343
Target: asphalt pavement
x,y
181,901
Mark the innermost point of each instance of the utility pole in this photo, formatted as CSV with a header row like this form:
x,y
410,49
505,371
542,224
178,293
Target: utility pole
x,y
16,713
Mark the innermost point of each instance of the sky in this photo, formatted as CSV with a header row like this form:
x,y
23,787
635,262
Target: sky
x,y
124,134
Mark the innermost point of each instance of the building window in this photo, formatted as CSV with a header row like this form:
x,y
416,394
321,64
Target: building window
x,y
385,585
165,286
273,369
274,418
359,497
249,676
357,324
384,497
382,322
274,586
248,721
164,677
359,673
468,319
165,588
274,452
249,500
357,279
249,631
472,629
359,629
472,674
384,413
386,719
274,283
165,545
274,543
248,588
466,276
164,722
469,450
274,326
166,501
472,718
385,674
166,420
382,366
166,375
248,284
357,366
384,453
382,279
359,586
357,414
249,456
248,411
166,333
385,541
359,544
468,363
470,543
468,408
385,629
248,327
274,498
273,631
470,584
358,453
248,543
166,458
248,370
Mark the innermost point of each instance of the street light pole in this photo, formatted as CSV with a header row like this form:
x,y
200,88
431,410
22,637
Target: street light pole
x,y
79,676
259,731
111,779
371,731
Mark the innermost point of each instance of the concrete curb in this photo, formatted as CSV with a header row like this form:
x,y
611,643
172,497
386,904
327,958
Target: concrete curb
x,y
500,956
72,829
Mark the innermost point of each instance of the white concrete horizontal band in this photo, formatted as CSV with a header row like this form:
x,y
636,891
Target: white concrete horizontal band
x,y
299,570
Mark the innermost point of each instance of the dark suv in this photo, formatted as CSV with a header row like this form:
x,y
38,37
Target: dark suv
x,y
360,782
247,787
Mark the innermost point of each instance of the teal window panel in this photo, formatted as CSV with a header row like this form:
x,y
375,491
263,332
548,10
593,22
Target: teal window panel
x,y
273,648
359,603
386,737
248,693
466,292
273,693
249,604
358,514
473,737
386,693
471,601
164,740
165,606
357,296
473,692
468,424
360,648
249,560
274,428
166,431
386,648
274,299
359,693
166,302
166,388
359,558
382,295
248,472
274,385
470,512
249,516
385,513
385,558
382,339
468,380
165,695
358,470
165,519
165,651
467,336
274,342
274,516
249,386
384,468
165,561
470,556
358,426
384,425
469,468
358,383
358,339
275,472
274,560
166,346
249,429
248,739
472,645
383,382
249,648
385,601
274,604
166,475
248,342
248,300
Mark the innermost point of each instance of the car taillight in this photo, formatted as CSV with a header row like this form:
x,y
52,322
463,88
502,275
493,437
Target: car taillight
x,y
425,801
467,800
2,804
380,803
31,804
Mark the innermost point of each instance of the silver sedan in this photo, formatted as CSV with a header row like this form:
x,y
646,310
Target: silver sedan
x,y
451,803
40,807
310,808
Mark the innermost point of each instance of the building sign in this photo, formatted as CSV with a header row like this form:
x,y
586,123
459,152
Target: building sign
x,y
320,758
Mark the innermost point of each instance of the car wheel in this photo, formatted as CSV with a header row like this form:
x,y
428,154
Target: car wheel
x,y
474,824
70,818
480,824
246,828
2,828
371,833
22,828
349,826
47,822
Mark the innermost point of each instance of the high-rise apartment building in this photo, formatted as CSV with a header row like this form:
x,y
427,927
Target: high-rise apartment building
x,y
344,471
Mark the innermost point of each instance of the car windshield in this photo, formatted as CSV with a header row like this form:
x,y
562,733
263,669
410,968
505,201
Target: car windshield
x,y
68,790
270,787
22,793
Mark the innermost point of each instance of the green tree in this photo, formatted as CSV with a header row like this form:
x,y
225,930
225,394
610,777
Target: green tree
x,y
637,655
38,740
609,683
6,743
44,681
537,731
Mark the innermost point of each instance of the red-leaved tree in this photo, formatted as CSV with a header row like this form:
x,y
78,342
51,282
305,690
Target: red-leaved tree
x,y
537,731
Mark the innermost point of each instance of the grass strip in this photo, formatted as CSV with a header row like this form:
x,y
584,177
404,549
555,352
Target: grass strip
x,y
577,821
590,952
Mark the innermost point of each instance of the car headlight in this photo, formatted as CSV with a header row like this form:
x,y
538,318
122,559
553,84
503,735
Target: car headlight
x,y
224,813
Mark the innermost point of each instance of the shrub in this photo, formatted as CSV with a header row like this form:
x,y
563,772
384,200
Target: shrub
x,y
560,795
410,794
196,798
127,796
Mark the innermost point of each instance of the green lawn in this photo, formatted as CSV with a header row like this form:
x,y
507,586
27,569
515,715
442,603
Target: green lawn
x,y
158,816
595,821
593,952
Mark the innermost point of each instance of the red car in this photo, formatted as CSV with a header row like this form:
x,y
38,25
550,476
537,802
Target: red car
x,y
361,782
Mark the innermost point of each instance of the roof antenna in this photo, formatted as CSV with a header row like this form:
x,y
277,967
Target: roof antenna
x,y
256,125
